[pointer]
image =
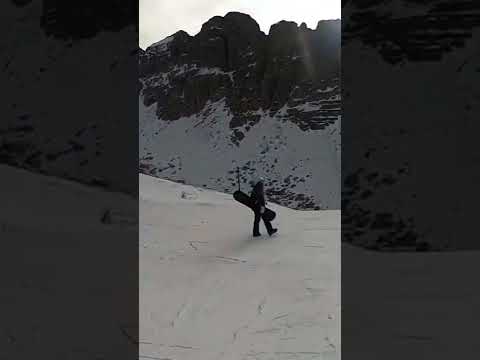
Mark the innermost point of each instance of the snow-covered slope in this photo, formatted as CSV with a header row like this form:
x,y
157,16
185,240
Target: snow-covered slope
x,y
302,169
208,290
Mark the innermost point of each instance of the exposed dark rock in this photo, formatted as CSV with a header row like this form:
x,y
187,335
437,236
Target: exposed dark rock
x,y
232,59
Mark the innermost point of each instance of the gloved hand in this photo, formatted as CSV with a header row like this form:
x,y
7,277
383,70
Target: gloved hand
x,y
262,210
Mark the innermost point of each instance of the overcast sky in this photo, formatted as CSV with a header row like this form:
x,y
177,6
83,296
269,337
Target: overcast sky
x,y
161,18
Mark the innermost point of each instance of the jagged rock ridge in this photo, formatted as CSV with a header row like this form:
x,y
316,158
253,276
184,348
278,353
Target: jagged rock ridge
x,y
232,58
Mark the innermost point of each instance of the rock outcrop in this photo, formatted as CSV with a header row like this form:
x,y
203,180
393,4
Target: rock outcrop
x,y
231,58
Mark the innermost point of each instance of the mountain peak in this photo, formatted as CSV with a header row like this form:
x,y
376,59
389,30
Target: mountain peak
x,y
232,21
283,26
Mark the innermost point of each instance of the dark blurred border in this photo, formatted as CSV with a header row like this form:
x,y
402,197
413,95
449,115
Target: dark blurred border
x,y
410,73
69,75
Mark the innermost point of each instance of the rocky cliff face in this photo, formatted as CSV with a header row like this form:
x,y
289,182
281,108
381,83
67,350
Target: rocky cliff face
x,y
232,58
248,96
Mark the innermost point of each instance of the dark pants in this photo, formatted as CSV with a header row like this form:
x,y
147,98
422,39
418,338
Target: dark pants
x,y
256,223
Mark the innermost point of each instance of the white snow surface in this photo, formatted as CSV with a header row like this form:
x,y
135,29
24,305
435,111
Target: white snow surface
x,y
208,290
274,305
199,150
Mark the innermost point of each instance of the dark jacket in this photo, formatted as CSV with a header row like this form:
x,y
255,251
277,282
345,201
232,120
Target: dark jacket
x,y
258,195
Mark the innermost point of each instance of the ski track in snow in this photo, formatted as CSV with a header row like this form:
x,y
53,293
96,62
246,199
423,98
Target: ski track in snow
x,y
231,296
218,302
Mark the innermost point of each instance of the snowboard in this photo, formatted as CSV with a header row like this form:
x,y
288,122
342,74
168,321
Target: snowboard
x,y
246,200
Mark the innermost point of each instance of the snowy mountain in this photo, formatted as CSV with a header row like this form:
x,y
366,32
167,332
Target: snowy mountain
x,y
232,96
208,290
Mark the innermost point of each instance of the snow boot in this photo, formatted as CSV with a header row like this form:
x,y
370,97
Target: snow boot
x,y
273,231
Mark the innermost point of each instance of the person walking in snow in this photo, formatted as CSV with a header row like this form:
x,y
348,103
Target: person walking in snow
x,y
258,198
